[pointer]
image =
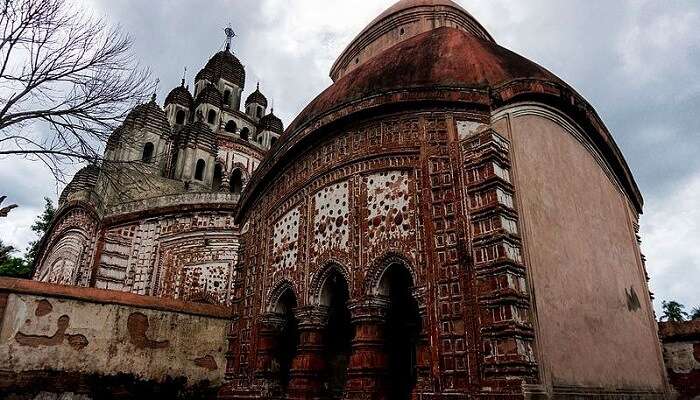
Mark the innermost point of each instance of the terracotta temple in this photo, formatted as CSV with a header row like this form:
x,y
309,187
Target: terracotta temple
x,y
447,220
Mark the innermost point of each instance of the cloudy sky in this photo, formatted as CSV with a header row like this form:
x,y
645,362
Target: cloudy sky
x,y
636,61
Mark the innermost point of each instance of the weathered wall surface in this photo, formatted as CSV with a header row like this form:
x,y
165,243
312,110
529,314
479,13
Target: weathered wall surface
x,y
398,25
587,276
70,246
155,247
681,345
69,331
186,256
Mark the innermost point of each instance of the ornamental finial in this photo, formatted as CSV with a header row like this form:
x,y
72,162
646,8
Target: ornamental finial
x,y
230,34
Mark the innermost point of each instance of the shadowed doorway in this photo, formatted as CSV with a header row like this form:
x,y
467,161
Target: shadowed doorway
x,y
288,338
402,331
334,295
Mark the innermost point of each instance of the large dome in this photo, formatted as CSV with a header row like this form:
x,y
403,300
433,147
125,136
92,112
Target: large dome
x,y
442,58
449,66
402,21
405,5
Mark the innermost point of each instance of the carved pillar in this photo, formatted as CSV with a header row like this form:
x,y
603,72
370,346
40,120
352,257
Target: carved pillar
x,y
369,362
423,376
308,365
225,183
268,343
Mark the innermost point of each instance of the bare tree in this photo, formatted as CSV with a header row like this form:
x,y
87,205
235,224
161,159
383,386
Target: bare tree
x,y
66,82
4,211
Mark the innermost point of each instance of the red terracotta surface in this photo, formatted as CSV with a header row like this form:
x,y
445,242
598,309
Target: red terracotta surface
x,y
443,66
442,57
408,4
670,331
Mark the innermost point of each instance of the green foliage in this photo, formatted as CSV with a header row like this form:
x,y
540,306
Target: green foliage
x,y
673,311
40,226
16,267
5,252
13,267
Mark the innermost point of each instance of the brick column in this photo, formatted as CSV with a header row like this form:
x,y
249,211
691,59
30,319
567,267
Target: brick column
x,y
308,365
423,374
369,362
225,184
268,343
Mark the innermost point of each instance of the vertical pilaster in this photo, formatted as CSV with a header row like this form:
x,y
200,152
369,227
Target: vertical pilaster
x,y
269,333
308,364
423,377
369,362
507,334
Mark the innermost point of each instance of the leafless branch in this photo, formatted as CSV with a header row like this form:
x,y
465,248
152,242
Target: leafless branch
x,y
67,81
4,211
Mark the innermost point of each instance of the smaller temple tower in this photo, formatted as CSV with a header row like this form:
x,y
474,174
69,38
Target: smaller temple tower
x,y
127,223
144,137
178,105
195,151
256,104
271,128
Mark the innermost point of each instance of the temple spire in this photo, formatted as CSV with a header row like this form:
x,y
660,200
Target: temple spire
x,y
230,34
155,90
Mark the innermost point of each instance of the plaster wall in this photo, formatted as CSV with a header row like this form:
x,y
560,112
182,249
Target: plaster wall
x,y
95,332
592,301
681,347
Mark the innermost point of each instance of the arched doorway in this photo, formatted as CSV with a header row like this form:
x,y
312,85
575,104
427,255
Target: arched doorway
x,y
288,337
403,327
245,132
236,183
180,117
230,126
218,176
147,155
338,335
199,170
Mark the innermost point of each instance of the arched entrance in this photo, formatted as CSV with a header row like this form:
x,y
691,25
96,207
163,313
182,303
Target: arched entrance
x,y
338,333
288,338
403,327
218,176
236,182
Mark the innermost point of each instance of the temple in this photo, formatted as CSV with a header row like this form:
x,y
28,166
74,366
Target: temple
x,y
164,195
447,220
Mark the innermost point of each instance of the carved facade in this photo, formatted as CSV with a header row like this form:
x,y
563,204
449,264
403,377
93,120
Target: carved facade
x,y
415,204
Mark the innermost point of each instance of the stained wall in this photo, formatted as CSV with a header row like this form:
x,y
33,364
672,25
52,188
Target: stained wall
x,y
88,332
587,277
186,256
681,346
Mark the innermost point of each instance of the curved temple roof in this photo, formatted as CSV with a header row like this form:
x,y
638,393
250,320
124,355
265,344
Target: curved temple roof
x,y
414,17
445,66
223,65
404,5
